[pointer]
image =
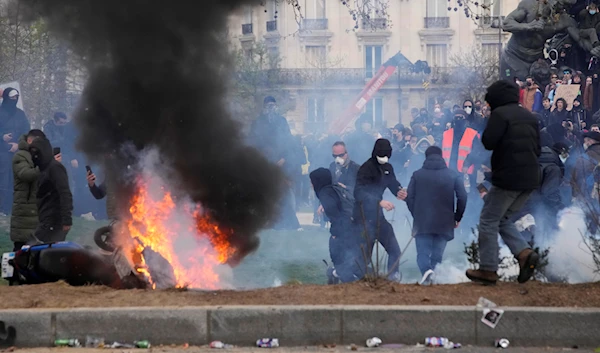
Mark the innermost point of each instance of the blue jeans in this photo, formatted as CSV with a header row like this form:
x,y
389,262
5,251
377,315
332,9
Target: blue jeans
x,y
430,250
500,205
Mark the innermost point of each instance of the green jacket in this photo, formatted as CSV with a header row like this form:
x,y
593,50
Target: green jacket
x,y
24,217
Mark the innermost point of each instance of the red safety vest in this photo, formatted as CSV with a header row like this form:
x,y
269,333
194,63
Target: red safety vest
x,y
464,148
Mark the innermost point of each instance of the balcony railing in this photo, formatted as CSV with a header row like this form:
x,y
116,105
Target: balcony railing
x,y
375,23
315,24
437,22
247,28
491,21
319,77
272,26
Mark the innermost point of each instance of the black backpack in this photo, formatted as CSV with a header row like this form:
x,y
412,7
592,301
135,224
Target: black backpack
x,y
346,198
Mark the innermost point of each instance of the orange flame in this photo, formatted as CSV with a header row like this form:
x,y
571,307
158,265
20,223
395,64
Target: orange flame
x,y
189,240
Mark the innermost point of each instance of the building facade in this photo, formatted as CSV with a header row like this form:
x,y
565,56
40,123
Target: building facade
x,y
327,57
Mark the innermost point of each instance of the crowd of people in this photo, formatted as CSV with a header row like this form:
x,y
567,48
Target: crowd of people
x,y
497,164
508,163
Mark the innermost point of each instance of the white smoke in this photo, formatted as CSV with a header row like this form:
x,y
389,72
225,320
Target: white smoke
x,y
569,257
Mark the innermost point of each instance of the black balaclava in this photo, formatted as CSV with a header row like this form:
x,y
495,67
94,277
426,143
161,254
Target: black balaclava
x,y
41,152
382,148
320,178
8,104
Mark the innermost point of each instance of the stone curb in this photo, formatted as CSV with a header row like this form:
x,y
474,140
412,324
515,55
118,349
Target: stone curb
x,y
306,325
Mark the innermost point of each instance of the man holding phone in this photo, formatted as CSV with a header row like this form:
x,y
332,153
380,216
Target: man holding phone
x,y
13,125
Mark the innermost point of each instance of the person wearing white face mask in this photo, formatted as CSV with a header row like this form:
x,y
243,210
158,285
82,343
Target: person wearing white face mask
x,y
585,166
374,176
343,169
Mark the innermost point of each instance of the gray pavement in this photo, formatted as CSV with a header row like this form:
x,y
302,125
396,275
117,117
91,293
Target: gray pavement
x,y
298,326
341,349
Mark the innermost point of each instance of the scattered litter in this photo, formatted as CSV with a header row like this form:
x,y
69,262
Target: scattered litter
x,y
485,303
120,345
9,349
502,343
142,344
353,347
330,346
94,342
441,342
491,317
374,342
185,346
436,341
267,343
220,345
523,292
597,350
67,343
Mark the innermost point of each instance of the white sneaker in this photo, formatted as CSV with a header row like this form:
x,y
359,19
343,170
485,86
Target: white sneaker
x,y
427,278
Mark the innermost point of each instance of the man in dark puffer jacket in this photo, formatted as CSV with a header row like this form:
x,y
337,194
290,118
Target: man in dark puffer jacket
x,y
513,135
54,199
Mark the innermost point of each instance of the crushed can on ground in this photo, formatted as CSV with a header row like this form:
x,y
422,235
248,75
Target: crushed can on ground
x,y
502,343
373,342
267,343
142,344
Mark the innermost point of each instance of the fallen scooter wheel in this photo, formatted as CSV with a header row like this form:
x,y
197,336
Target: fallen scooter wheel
x,y
103,238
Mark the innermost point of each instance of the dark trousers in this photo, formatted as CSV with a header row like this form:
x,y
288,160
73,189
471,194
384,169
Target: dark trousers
x,y
345,255
430,250
50,234
384,234
499,206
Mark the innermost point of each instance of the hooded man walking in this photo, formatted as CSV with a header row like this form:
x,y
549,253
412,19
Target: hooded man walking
x,y
54,199
374,176
513,135
430,200
24,217
13,125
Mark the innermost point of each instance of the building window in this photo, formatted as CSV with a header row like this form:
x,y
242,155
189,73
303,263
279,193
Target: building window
x,y
315,110
314,9
374,109
437,8
490,50
373,55
491,13
437,55
315,55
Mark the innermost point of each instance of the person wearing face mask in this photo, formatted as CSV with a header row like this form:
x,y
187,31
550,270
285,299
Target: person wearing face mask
x,y
457,144
54,198
13,125
588,22
584,167
343,169
417,156
374,176
532,96
423,119
474,117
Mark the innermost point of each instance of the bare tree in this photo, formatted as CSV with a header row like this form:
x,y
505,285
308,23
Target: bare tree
x,y
472,71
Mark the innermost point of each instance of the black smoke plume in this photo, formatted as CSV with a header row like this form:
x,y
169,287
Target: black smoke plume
x,y
158,76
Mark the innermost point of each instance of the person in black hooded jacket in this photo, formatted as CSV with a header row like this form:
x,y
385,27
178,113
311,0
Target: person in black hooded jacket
x,y
374,176
54,199
344,247
13,125
513,135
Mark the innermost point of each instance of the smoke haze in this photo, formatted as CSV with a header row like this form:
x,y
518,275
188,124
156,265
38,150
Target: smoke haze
x,y
158,74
